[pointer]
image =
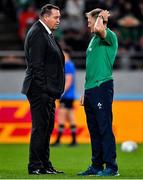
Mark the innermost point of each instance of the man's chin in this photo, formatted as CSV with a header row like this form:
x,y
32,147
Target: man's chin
x,y
54,28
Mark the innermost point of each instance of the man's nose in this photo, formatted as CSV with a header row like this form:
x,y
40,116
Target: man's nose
x,y
58,20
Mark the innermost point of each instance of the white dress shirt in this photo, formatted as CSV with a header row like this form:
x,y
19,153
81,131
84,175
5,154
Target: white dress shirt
x,y
46,27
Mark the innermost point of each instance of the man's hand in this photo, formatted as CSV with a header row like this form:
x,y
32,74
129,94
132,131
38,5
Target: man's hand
x,y
82,100
104,14
100,26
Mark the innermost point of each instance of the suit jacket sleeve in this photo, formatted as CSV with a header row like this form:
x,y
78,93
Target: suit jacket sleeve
x,y
37,51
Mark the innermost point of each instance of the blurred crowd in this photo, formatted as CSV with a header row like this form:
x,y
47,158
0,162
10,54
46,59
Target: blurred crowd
x,y
126,20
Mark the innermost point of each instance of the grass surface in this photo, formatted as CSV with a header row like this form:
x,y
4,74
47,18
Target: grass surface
x,y
14,158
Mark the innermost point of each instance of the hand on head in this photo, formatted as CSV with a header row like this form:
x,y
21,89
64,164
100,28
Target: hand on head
x,y
105,14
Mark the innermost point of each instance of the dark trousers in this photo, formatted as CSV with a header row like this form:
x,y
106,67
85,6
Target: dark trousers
x,y
98,109
42,111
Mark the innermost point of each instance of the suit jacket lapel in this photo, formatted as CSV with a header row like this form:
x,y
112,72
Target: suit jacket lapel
x,y
53,40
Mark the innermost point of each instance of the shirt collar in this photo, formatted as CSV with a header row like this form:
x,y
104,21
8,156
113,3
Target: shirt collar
x,y
46,27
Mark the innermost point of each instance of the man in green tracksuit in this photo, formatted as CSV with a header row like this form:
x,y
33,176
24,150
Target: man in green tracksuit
x,y
98,96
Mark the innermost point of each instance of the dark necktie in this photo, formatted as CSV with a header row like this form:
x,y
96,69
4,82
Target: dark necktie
x,y
52,36
55,42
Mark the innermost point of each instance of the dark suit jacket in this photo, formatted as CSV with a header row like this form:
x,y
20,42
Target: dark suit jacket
x,y
45,62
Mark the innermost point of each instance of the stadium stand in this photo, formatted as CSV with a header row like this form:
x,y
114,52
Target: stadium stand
x,y
126,21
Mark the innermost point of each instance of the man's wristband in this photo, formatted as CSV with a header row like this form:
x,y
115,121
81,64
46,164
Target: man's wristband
x,y
101,17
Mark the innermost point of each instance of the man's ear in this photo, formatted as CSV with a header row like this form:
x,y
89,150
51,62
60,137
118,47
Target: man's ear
x,y
95,17
45,16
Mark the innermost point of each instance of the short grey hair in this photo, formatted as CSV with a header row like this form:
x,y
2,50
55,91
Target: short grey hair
x,y
94,13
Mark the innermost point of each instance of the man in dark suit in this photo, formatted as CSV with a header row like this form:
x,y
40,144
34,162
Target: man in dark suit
x,y
43,84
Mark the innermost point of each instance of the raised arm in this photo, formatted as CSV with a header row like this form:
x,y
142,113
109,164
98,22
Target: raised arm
x,y
101,23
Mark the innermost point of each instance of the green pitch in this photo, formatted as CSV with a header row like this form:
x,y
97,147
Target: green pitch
x,y
13,162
